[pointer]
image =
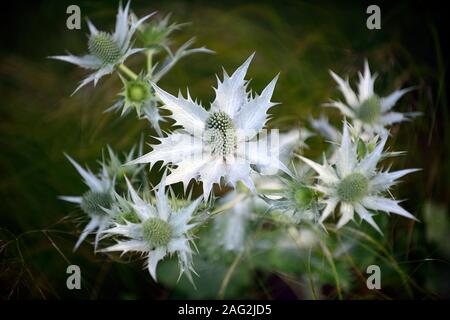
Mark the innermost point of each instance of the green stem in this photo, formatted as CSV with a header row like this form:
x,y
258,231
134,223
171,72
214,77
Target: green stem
x,y
128,72
310,279
228,275
330,259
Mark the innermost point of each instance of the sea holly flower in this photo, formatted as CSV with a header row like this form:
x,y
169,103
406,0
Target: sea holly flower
x,y
107,50
155,34
220,142
369,112
138,94
135,94
94,201
160,231
295,200
356,183
292,198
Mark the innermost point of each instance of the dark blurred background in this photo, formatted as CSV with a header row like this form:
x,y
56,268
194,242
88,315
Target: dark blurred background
x,y
39,120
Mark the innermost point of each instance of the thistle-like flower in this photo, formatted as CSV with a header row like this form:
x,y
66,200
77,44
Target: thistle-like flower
x,y
295,200
107,50
94,201
160,231
356,183
369,112
155,34
137,94
134,95
220,142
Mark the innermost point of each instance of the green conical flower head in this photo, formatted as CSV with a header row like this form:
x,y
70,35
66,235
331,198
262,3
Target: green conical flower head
x,y
157,232
303,197
92,202
154,34
137,91
370,110
103,46
353,187
220,133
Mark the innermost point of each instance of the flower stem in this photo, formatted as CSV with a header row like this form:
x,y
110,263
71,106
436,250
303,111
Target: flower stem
x,y
228,275
127,71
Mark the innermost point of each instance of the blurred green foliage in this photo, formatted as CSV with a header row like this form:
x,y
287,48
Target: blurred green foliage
x,y
39,120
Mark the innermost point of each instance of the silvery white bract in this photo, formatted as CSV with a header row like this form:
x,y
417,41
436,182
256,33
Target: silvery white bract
x,y
357,184
173,58
159,232
220,142
93,202
231,226
325,129
121,210
368,111
106,50
293,141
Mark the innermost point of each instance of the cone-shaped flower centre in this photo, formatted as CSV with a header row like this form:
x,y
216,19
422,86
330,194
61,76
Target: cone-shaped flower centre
x,y
137,91
353,187
370,110
157,232
103,46
303,197
220,133
92,202
155,34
